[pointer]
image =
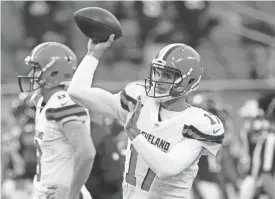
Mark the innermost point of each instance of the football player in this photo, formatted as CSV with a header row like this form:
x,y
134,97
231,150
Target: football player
x,y
260,126
263,159
251,132
167,136
263,165
253,116
65,150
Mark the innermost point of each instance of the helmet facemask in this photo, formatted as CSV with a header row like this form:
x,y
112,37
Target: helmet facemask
x,y
163,90
32,81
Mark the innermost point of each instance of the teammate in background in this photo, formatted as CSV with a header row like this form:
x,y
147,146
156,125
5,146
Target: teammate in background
x,y
167,136
263,161
262,127
254,124
253,117
65,151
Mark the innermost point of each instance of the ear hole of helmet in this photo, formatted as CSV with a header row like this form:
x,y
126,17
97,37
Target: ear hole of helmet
x,y
54,73
191,80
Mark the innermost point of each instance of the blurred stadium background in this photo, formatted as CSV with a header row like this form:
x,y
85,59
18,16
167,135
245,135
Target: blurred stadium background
x,y
235,39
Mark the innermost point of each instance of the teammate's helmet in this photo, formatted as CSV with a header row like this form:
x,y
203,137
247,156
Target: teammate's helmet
x,y
51,64
184,62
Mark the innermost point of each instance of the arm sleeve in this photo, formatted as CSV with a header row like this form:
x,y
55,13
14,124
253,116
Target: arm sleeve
x,y
182,156
94,99
78,135
268,154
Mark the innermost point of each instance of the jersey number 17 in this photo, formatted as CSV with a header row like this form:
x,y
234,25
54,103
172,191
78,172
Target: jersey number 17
x,y
130,175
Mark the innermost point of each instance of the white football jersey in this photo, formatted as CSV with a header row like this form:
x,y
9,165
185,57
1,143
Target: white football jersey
x,y
55,156
140,182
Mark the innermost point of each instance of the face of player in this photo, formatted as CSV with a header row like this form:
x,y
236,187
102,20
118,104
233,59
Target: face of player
x,y
164,78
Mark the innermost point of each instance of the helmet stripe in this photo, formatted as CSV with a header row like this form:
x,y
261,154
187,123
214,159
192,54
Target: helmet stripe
x,y
169,52
165,52
38,49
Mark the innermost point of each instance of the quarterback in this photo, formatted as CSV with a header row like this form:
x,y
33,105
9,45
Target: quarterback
x,y
65,150
167,136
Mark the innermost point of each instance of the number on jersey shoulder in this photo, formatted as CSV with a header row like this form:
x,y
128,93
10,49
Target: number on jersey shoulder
x,y
63,99
213,118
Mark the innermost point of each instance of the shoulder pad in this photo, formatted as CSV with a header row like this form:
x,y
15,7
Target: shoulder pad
x,y
204,126
61,106
131,93
59,99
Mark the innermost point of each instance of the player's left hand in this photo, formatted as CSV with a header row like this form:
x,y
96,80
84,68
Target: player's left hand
x,y
58,192
131,121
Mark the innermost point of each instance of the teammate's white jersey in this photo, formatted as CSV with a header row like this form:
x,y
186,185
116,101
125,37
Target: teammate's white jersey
x,y
55,156
140,182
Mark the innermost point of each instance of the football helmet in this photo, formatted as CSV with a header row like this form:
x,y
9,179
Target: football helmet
x,y
184,62
51,63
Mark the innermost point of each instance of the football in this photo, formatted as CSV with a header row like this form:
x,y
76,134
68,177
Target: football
x,y
97,23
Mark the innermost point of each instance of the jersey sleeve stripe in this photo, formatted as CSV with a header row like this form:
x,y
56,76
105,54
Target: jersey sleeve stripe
x,y
65,108
193,133
124,102
125,99
63,112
